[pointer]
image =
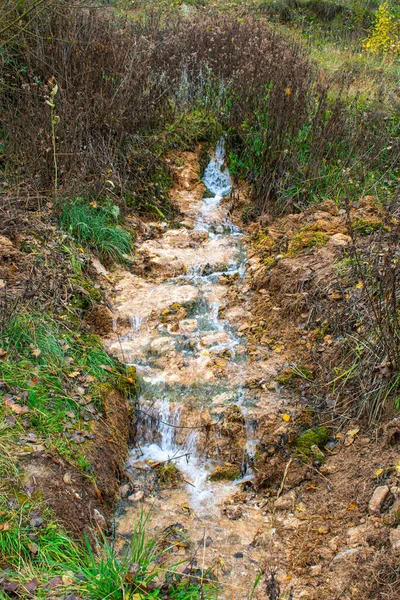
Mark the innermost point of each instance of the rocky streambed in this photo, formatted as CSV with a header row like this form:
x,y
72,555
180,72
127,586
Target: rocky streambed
x,y
182,324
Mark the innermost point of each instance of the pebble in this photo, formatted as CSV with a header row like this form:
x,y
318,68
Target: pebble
x,y
137,497
377,499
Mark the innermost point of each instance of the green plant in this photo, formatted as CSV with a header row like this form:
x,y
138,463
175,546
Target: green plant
x,y
96,226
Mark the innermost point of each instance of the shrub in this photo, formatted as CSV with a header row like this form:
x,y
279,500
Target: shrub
x,y
385,37
96,227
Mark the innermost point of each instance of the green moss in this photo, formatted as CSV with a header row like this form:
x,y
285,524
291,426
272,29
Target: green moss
x,y
368,226
168,475
307,239
315,437
225,473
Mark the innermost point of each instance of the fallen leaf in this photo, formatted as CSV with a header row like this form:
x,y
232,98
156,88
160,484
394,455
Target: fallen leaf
x,y
33,548
107,368
36,522
36,352
53,583
73,374
5,526
31,586
350,436
286,417
352,506
378,472
16,408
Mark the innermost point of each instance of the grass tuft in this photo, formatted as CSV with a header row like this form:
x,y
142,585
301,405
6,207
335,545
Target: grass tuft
x,y
96,227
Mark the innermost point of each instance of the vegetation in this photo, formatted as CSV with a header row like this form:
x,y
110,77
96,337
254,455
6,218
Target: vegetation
x,y
96,227
93,99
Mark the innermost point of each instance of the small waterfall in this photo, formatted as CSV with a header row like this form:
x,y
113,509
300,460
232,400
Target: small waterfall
x,y
160,435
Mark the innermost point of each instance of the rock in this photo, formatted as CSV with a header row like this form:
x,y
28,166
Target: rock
x,y
357,535
124,490
286,502
377,499
394,537
225,472
234,512
315,570
162,344
99,518
346,554
340,239
330,207
137,497
318,455
98,267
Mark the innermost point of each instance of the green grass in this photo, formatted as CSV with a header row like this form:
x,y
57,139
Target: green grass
x,y
56,374
41,550
96,227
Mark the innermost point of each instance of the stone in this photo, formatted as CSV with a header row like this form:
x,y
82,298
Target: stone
x,y
124,490
315,570
286,502
137,497
99,518
162,344
225,472
377,499
394,537
98,267
346,554
318,455
340,239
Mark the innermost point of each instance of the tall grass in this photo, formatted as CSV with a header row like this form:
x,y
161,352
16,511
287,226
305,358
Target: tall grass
x,y
96,227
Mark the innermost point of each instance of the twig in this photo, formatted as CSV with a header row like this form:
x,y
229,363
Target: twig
x,y
284,477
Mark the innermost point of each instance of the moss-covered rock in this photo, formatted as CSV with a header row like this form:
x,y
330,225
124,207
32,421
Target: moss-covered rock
x,y
225,472
315,437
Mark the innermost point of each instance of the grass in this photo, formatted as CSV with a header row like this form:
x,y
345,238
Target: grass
x,y
96,227
38,550
57,376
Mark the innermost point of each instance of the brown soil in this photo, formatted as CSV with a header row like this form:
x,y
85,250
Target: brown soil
x,y
74,497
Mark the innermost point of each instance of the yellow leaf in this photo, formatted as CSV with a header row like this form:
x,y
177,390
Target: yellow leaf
x,y
359,285
352,506
288,91
73,374
350,436
286,417
378,472
398,467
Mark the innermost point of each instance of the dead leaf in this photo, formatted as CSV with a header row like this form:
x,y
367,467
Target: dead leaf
x,y
73,374
107,368
36,352
33,548
350,436
16,408
5,526
31,586
352,506
286,417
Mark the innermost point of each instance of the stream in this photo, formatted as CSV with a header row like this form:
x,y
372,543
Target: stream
x,y
183,327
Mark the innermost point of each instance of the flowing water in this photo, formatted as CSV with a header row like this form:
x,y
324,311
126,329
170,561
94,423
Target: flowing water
x,y
196,409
